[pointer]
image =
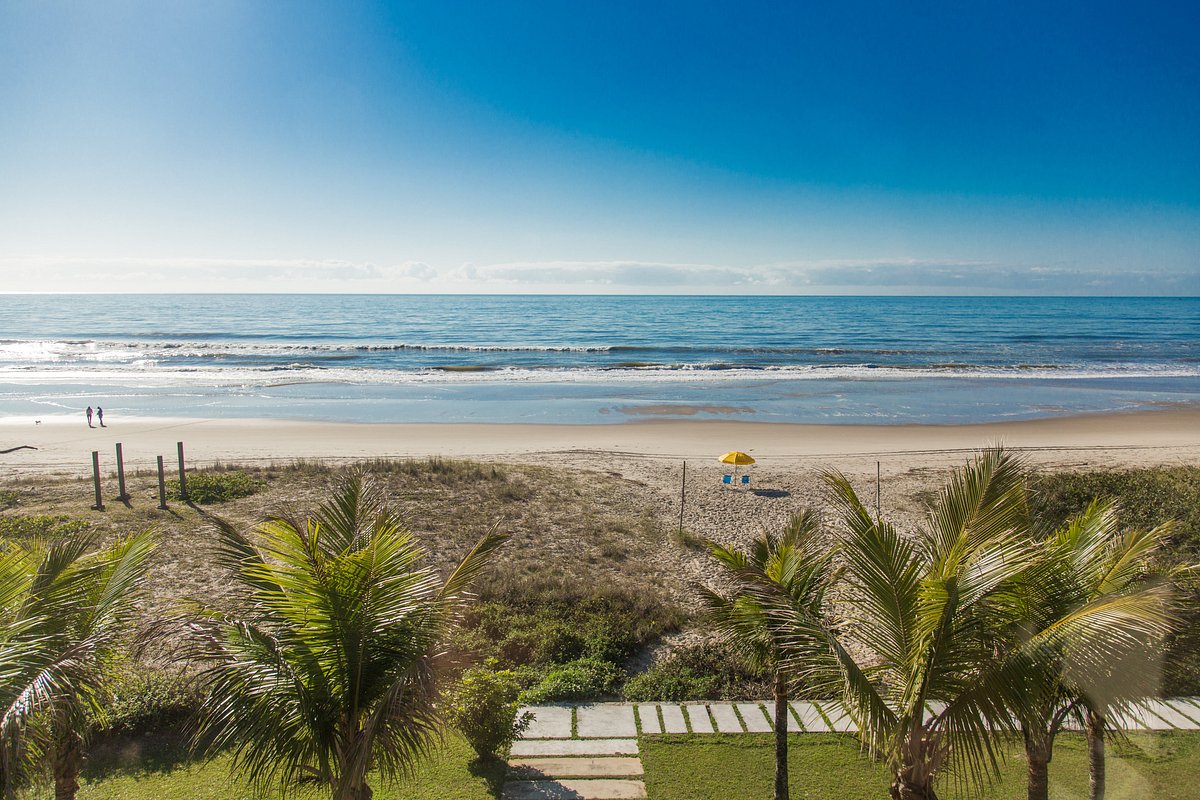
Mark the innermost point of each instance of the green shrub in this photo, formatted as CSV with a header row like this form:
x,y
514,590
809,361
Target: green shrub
x,y
1146,498
484,708
41,527
583,679
8,498
217,487
543,622
145,701
700,672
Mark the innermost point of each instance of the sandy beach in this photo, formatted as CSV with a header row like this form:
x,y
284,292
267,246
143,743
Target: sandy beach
x,y
1169,436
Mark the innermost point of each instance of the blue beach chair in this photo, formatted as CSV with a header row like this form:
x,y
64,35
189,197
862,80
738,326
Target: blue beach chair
x,y
727,480
745,480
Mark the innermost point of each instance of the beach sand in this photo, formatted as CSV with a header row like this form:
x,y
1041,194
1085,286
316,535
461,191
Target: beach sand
x,y
632,472
1169,436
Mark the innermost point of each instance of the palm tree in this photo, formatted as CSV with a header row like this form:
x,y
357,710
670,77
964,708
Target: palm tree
x,y
67,609
927,695
1098,616
327,668
792,560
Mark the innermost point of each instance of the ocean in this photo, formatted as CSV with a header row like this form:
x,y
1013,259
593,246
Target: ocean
x,y
595,359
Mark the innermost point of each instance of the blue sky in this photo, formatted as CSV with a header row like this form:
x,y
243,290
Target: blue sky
x,y
600,147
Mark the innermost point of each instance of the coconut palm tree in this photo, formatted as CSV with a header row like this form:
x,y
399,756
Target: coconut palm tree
x,y
326,668
67,608
801,569
914,654
1095,617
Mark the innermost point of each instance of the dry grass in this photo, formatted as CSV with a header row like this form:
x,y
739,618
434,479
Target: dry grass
x,y
591,527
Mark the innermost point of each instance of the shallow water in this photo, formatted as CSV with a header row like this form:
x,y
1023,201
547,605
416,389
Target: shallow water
x,y
596,359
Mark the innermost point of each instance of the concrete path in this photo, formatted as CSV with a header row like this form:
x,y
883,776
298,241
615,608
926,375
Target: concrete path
x,y
590,752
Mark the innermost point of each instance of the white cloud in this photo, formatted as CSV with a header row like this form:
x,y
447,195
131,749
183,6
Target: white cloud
x,y
882,276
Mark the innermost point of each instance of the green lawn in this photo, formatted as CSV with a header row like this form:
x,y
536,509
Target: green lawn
x,y
1161,766
449,775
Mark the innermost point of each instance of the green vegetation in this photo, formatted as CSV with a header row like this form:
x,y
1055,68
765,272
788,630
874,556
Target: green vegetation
x,y
159,769
584,678
66,608
41,528
145,701
206,488
972,612
1162,766
328,668
1145,498
484,709
799,573
707,671
8,498
567,638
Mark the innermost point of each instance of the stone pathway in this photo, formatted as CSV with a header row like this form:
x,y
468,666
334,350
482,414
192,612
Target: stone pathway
x,y
590,752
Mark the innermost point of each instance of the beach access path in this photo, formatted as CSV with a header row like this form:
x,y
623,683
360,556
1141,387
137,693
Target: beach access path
x,y
591,752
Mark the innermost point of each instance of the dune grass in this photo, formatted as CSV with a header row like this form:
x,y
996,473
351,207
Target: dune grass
x,y
1163,766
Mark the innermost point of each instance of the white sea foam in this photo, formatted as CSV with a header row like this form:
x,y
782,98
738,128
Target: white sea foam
x,y
682,373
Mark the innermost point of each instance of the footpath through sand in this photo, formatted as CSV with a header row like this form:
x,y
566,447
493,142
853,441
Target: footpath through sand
x,y
590,752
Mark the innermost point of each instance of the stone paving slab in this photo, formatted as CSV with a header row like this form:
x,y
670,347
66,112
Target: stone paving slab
x,y
698,717
550,722
575,747
810,718
726,718
838,719
1189,706
1137,719
755,718
604,767
605,721
673,719
1190,712
648,716
574,789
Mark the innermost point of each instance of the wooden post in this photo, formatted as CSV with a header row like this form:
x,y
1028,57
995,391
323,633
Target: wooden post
x,y
682,496
182,475
121,474
877,474
96,479
162,485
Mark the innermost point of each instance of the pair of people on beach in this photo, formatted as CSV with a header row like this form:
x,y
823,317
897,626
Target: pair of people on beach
x,y
99,416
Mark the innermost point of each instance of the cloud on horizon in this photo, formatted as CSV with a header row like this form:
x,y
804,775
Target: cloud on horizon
x,y
882,276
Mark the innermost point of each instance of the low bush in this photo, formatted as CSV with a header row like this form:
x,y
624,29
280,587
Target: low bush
x,y
583,679
708,671
217,487
1146,498
541,622
146,701
8,498
484,708
43,527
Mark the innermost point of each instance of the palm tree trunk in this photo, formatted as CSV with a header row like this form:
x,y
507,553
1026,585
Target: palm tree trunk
x,y
781,733
68,761
1095,738
1037,754
902,789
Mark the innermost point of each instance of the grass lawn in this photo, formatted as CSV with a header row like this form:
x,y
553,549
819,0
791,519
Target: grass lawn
x,y
448,775
1162,766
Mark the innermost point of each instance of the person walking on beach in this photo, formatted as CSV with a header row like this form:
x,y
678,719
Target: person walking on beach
x,y
100,416
89,416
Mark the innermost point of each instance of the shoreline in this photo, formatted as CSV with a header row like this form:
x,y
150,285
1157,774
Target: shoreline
x,y
1133,438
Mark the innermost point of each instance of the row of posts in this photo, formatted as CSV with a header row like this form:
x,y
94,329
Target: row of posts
x,y
124,496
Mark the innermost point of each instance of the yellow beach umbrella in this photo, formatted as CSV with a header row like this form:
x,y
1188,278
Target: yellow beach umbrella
x,y
738,459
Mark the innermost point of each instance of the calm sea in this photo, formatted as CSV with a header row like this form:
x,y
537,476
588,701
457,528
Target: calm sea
x,y
580,359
